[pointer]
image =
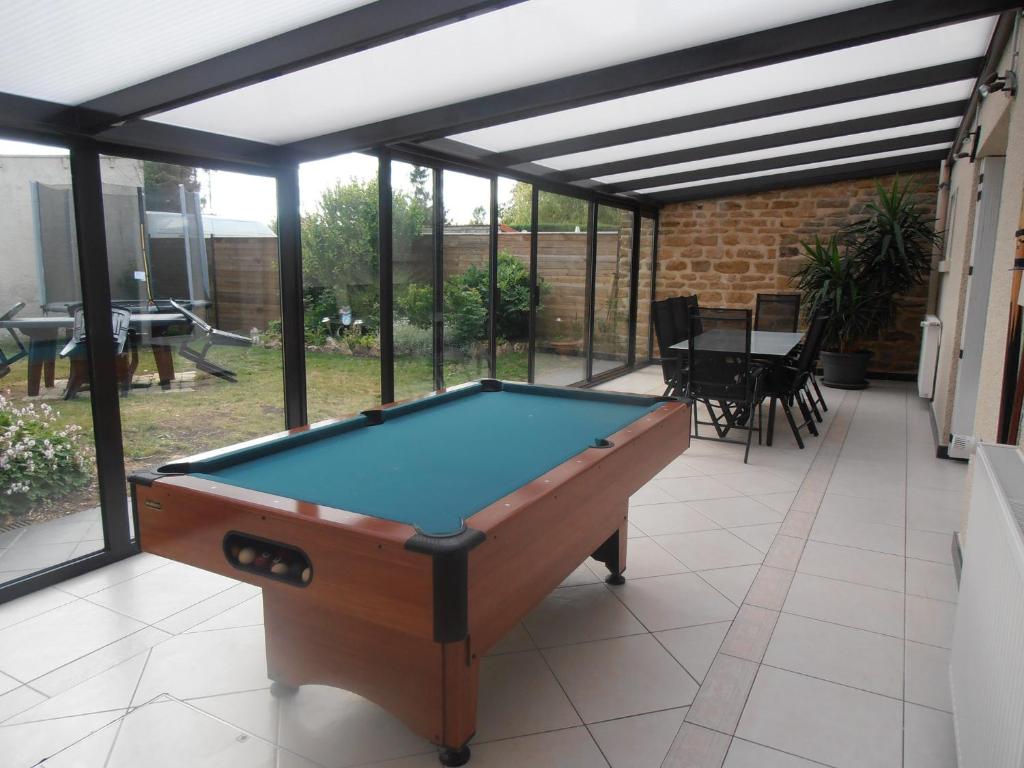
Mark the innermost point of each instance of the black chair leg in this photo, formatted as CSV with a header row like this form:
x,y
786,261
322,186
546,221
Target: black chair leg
x,y
812,403
792,423
760,419
771,422
806,413
817,391
750,432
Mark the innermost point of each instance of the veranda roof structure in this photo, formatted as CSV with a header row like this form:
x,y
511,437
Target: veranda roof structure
x,y
646,102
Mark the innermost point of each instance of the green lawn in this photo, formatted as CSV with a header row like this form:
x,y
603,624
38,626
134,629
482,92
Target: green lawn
x,y
207,413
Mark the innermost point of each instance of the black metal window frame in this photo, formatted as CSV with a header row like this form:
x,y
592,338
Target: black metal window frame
x,y
90,232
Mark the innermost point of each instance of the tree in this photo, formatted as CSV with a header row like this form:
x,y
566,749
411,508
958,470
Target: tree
x,y
479,215
161,182
557,212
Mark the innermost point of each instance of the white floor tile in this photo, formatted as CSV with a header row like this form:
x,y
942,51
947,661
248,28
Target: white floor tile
x,y
744,754
888,511
677,517
751,481
212,607
336,728
620,677
41,644
930,621
852,533
571,748
822,721
7,684
199,664
704,550
780,502
252,711
17,700
578,614
108,691
760,537
853,657
28,606
162,592
246,614
23,746
650,494
694,488
517,639
927,676
669,602
734,583
638,742
860,566
680,467
934,509
695,647
927,545
518,696
934,580
584,574
852,605
730,513
109,575
644,558
929,741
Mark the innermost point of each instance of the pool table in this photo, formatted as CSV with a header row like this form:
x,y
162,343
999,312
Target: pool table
x,y
396,548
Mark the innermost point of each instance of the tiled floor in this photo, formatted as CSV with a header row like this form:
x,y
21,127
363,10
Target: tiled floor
x,y
37,546
795,611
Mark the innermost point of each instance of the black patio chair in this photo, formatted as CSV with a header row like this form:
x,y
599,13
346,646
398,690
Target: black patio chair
x,y
721,374
207,337
785,383
777,312
76,351
665,335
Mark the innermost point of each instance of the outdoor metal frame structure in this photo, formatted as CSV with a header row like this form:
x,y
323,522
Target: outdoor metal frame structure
x,y
118,123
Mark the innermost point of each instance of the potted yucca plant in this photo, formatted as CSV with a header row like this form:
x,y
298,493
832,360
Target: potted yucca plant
x,y
859,275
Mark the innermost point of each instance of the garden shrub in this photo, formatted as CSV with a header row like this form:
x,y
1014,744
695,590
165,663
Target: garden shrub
x,y
39,458
411,340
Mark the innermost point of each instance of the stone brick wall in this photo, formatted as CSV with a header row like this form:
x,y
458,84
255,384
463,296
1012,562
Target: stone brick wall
x,y
730,249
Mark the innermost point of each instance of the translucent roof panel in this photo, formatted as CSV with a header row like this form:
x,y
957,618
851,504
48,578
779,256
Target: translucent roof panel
x,y
789,149
848,110
794,168
523,44
886,57
71,52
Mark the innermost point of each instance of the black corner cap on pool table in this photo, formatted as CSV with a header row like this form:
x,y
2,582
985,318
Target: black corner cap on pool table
x,y
491,385
145,478
451,579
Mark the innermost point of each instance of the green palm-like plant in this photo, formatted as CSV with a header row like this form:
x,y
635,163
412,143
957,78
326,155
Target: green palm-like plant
x,y
858,276
830,283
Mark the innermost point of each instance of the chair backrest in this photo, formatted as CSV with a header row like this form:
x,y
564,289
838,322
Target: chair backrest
x,y
720,354
777,312
120,324
812,343
666,335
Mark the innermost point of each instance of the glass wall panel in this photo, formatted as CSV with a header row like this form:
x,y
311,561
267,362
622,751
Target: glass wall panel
x,y
189,249
49,505
562,279
413,254
514,223
644,279
612,284
466,266
340,284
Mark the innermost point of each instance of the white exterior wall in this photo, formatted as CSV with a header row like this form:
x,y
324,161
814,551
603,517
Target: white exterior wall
x,y
19,259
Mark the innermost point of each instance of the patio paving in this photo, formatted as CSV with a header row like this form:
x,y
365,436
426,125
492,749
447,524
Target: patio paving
x,y
795,611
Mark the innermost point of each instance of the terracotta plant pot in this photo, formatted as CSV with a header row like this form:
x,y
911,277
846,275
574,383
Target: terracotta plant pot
x,y
845,370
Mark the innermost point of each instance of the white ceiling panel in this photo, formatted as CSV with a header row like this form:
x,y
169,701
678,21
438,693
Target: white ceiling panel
x,y
790,149
521,45
71,51
849,110
886,57
794,168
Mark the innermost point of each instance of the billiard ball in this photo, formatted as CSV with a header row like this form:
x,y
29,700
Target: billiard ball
x,y
262,561
246,555
234,550
307,574
279,566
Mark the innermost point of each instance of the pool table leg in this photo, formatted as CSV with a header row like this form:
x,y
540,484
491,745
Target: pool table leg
x,y
613,554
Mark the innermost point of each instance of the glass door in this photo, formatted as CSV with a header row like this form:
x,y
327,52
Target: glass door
x,y
612,289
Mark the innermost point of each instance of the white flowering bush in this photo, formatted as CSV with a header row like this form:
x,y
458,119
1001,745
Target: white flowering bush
x,y
39,458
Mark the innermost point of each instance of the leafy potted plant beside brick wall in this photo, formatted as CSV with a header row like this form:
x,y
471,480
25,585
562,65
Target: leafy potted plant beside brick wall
x,y
859,275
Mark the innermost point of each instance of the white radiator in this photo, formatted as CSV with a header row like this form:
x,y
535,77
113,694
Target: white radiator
x,y
928,361
987,663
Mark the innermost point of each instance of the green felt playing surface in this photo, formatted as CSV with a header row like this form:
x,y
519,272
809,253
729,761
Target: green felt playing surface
x,y
435,462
